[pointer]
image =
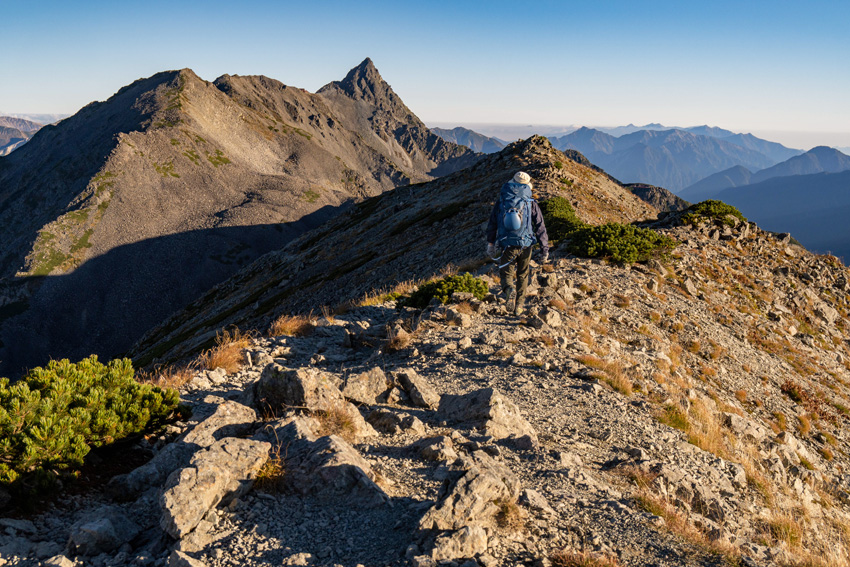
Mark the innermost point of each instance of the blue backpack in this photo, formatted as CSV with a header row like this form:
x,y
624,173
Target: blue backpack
x,y
515,216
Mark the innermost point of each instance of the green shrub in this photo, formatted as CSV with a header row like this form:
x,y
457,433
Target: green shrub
x,y
620,242
560,218
51,418
442,289
713,210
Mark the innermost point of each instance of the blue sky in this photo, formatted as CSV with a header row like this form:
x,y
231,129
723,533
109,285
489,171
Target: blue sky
x,y
753,66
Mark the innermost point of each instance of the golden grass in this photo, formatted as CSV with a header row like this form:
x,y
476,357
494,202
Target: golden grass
x,y
510,515
674,520
741,396
270,477
565,558
335,420
291,326
805,425
227,352
168,376
612,374
558,304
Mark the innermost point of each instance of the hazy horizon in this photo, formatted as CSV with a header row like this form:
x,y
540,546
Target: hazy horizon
x,y
760,66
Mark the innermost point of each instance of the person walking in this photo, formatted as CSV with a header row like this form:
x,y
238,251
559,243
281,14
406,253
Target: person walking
x,y
516,224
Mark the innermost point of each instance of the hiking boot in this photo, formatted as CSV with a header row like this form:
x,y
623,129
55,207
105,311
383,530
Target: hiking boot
x,y
518,305
510,300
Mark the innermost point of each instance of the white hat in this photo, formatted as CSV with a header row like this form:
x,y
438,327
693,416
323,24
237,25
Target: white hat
x,y
522,177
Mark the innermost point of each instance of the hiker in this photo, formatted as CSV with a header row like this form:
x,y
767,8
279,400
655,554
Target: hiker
x,y
516,224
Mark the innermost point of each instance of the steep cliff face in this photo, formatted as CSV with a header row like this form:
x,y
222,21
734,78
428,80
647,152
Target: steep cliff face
x,y
173,184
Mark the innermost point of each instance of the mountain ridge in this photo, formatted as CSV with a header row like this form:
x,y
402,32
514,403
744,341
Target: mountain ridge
x,y
199,159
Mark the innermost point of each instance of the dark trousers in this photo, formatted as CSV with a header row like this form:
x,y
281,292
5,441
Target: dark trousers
x,y
513,269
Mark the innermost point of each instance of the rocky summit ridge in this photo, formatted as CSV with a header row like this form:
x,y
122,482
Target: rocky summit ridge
x,y
690,410
173,184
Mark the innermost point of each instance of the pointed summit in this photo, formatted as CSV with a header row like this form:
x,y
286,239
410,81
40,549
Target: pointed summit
x,y
362,82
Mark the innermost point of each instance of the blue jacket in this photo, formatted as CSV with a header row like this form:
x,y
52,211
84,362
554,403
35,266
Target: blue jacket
x,y
537,225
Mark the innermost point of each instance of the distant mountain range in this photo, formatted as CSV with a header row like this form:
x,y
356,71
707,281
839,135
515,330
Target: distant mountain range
x,y
174,183
15,132
673,159
817,160
472,140
658,155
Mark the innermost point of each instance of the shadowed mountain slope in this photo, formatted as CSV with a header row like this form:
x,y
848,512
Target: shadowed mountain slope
x,y
713,184
470,139
813,208
175,155
409,233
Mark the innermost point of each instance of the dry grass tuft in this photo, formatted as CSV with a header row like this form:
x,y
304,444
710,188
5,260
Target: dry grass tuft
x,y
291,326
270,477
227,352
805,425
566,558
168,376
622,301
510,515
335,420
558,304
613,373
741,396
464,307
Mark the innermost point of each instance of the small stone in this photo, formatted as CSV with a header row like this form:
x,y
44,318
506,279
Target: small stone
x,y
58,561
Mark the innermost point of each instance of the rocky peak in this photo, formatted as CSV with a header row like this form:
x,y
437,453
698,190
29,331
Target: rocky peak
x,y
363,82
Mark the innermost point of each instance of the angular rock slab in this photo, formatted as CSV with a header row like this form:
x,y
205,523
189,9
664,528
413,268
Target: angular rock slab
x,y
464,543
421,393
223,472
472,500
326,467
105,530
366,387
229,419
489,410
307,388
180,559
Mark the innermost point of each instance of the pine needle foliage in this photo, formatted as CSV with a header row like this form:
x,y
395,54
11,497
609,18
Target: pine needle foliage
x,y
442,290
712,209
53,416
622,243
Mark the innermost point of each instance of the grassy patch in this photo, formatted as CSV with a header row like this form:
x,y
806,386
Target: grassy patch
x,y
218,158
310,196
227,352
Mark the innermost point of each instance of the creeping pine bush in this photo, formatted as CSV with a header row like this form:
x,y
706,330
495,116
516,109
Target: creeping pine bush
x,y
620,242
443,289
51,418
712,209
560,218
623,243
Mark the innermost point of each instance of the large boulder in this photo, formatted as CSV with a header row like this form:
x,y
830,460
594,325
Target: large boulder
x,y
308,388
223,472
229,419
489,410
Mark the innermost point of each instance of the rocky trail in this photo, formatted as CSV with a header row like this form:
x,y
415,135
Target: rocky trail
x,y
681,412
